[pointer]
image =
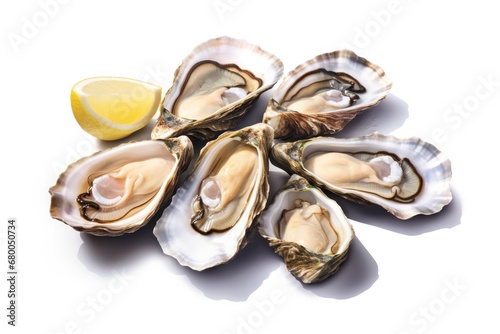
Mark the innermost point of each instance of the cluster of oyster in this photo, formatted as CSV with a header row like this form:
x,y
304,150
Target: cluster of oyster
x,y
209,218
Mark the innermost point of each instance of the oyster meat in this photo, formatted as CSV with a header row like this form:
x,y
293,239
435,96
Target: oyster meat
x,y
212,213
215,85
322,95
308,229
407,177
118,190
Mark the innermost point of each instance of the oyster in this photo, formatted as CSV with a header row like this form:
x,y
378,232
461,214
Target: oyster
x,y
211,215
325,93
118,190
215,85
308,229
407,177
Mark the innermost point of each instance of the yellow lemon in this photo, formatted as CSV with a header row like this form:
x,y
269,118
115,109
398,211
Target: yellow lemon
x,y
111,108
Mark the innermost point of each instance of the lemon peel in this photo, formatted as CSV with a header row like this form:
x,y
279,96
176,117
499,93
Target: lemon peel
x,y
111,108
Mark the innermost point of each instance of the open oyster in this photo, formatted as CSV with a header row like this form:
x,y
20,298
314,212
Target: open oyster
x,y
407,177
322,95
212,213
308,229
118,190
215,85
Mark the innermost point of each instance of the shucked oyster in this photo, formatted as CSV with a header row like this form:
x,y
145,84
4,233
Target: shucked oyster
x,y
407,177
118,190
308,229
211,214
322,95
215,85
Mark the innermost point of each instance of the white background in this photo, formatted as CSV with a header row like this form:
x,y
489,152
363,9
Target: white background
x,y
432,274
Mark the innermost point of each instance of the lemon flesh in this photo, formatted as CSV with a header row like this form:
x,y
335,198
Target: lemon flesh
x,y
111,108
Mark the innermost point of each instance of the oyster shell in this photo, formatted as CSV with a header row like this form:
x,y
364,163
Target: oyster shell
x,y
118,190
322,95
215,85
308,229
405,176
212,213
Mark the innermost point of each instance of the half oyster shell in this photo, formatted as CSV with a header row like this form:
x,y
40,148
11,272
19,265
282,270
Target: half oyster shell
x,y
212,213
118,190
322,95
214,86
406,176
308,229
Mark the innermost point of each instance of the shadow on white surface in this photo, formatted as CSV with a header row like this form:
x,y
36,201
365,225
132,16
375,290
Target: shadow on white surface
x,y
256,112
103,255
449,217
389,115
356,275
239,278
234,281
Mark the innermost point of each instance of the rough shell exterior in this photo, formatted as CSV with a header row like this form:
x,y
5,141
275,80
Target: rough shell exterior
x,y
304,264
173,230
292,125
73,180
224,50
433,166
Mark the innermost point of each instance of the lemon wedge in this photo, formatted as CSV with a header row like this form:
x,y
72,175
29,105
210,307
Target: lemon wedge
x,y
111,108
